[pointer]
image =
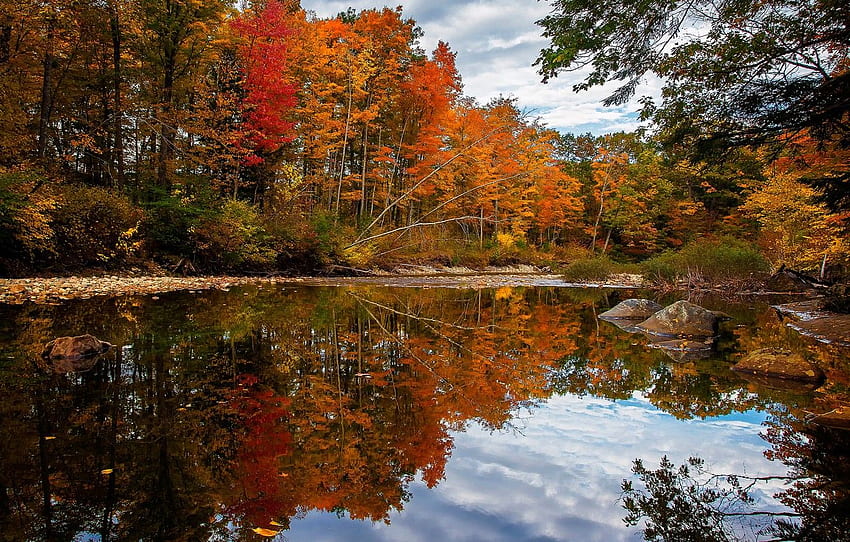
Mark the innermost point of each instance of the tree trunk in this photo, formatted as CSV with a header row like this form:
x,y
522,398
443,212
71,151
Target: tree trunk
x,y
344,146
5,43
117,114
46,95
166,139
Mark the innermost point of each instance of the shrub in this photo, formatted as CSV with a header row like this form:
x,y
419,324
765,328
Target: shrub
x,y
26,206
94,226
169,222
722,259
592,268
233,238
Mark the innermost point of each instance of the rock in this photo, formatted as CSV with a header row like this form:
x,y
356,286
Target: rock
x,y
74,348
838,298
632,309
831,329
789,280
779,363
683,350
810,318
838,418
681,319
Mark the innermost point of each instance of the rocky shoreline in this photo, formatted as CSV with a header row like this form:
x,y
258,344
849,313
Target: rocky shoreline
x,y
53,290
59,289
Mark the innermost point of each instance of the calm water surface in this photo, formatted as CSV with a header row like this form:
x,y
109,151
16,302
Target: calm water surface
x,y
375,413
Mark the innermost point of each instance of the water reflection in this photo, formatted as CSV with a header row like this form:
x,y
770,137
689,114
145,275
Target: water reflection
x,y
227,414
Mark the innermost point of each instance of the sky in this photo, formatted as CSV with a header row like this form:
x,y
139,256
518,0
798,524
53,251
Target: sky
x,y
496,42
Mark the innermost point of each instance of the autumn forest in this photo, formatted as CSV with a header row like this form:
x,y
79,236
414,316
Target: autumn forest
x,y
212,137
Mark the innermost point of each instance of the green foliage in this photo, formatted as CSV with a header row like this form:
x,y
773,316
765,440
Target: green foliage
x,y
593,268
169,222
753,72
233,238
714,260
329,234
94,226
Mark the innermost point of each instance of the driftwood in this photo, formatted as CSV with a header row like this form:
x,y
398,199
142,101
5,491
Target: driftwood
x,y
798,277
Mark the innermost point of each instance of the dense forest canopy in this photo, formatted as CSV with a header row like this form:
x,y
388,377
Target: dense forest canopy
x,y
213,137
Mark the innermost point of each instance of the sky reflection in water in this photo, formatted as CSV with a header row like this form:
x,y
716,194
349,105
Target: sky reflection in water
x,y
557,475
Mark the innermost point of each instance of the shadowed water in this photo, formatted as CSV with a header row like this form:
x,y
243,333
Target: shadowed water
x,y
373,413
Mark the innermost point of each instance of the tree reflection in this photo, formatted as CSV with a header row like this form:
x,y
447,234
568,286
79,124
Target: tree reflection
x,y
685,502
225,413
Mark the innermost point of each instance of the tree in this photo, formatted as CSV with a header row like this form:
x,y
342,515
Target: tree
x,y
796,229
735,72
175,45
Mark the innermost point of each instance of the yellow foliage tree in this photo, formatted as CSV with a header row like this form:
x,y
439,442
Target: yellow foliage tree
x,y
796,229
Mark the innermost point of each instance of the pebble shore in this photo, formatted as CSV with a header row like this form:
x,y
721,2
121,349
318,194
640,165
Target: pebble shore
x,y
58,289
53,290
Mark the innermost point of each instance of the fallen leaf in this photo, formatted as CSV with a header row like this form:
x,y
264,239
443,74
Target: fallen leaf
x,y
264,532
107,471
49,438
276,524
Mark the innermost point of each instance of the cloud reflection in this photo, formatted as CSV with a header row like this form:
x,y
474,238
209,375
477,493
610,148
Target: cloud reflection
x,y
556,477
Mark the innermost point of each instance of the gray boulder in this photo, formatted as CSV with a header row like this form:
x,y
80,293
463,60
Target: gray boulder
x,y
632,309
681,319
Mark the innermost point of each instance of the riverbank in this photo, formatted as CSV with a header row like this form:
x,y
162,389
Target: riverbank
x,y
42,290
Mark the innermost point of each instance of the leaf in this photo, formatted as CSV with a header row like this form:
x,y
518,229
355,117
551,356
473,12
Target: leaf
x,y
50,438
276,524
107,471
264,532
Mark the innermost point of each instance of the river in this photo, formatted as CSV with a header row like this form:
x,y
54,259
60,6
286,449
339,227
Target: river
x,y
371,412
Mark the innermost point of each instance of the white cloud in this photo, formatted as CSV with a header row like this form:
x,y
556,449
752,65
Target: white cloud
x,y
497,41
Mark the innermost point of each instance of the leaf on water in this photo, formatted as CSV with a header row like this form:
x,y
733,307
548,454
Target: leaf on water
x,y
264,532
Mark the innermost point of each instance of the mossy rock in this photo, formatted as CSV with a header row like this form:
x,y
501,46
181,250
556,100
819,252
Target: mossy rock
x,y
779,363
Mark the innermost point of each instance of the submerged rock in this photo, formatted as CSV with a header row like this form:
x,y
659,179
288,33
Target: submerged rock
x,y
71,354
82,346
681,319
838,418
796,387
682,350
778,363
632,309
812,319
